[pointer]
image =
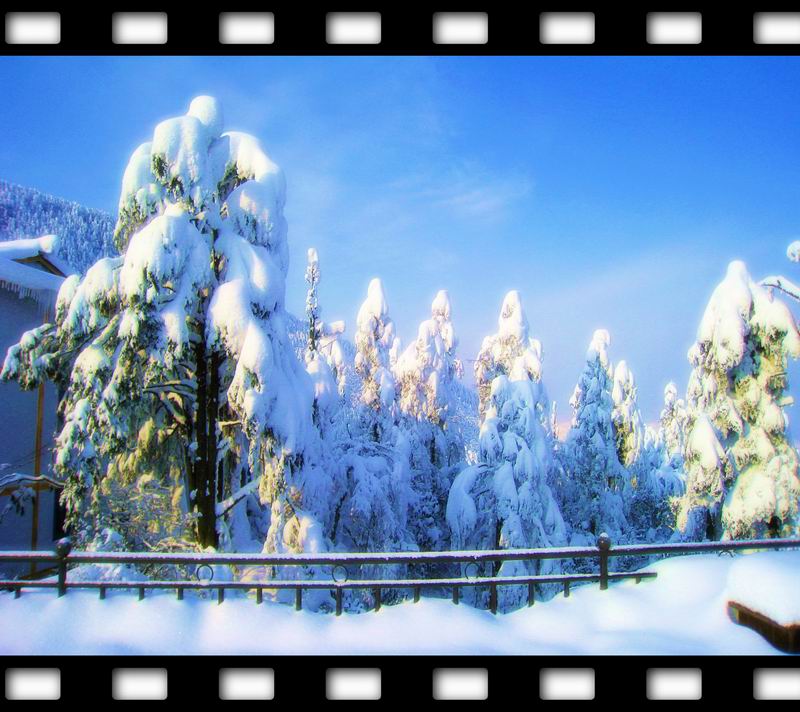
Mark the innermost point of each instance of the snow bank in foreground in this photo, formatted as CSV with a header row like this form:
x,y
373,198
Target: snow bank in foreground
x,y
682,612
768,583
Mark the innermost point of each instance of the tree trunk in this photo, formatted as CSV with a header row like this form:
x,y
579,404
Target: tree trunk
x,y
205,465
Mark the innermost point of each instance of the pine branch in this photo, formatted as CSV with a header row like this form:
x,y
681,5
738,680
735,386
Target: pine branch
x,y
782,284
228,504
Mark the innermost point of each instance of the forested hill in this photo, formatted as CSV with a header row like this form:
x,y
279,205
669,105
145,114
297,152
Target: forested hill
x,y
86,234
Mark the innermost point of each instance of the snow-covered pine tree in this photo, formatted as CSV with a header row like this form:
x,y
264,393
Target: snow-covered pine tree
x,y
500,352
184,336
672,431
376,346
742,473
326,391
426,374
428,367
626,417
312,302
651,498
505,501
590,491
322,338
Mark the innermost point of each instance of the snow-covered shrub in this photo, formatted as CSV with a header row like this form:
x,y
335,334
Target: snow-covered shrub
x,y
742,476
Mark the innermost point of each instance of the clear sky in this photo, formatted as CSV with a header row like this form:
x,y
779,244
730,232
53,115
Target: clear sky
x,y
611,192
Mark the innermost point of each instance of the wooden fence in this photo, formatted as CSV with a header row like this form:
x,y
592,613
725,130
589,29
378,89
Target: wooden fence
x,y
64,557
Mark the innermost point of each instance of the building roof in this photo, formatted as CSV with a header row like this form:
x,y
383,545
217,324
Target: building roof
x,y
31,268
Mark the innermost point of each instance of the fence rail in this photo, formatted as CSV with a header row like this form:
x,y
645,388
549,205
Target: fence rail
x,y
64,557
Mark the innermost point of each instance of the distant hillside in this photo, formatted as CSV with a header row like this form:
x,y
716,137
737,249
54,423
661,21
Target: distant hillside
x,y
86,234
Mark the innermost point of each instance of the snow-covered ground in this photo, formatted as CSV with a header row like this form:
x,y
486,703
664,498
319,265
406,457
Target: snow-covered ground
x,y
683,611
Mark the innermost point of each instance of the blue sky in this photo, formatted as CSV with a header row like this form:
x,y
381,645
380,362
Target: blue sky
x,y
611,192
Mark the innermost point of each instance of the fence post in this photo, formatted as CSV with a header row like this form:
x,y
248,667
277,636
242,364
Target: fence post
x,y
603,545
63,547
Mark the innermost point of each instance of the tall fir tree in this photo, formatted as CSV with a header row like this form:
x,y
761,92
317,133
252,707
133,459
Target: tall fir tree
x,y
376,345
592,485
505,501
426,374
742,472
174,356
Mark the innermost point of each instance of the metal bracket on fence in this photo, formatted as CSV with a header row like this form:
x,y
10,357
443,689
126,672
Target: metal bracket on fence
x,y
339,573
204,579
468,573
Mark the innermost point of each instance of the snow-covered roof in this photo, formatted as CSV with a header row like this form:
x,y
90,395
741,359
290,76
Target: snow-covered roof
x,y
19,273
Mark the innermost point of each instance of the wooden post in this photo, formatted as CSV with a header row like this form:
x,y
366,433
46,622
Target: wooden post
x,y
259,595
493,597
63,547
338,601
37,454
377,594
35,521
603,544
566,589
531,593
298,598
37,462
455,594
416,594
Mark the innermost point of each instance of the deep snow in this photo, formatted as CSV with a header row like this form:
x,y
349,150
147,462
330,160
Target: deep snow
x,y
683,611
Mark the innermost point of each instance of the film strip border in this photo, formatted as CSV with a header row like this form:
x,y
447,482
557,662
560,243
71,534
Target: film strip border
x,y
396,680
263,28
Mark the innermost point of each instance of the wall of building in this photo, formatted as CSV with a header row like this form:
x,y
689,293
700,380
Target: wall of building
x,y
18,435
18,407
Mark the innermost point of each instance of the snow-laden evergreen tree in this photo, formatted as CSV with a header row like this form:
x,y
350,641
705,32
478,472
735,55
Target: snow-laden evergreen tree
x,y
318,364
174,356
500,352
505,501
322,338
652,493
312,302
376,344
645,490
672,431
626,417
426,374
591,488
742,473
